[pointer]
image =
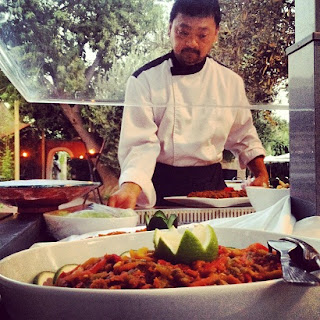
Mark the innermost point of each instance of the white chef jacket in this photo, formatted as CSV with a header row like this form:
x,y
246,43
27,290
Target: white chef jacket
x,y
183,120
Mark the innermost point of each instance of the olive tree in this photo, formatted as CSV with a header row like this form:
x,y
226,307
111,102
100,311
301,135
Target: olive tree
x,y
67,47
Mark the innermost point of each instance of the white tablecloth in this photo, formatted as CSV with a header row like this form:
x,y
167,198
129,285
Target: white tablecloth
x,y
277,218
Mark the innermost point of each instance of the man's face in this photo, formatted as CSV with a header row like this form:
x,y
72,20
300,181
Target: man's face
x,y
192,37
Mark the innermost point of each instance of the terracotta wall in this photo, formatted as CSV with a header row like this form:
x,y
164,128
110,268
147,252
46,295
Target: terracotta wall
x,y
35,166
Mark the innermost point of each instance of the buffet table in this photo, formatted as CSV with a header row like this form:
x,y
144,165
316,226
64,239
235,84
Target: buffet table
x,y
19,232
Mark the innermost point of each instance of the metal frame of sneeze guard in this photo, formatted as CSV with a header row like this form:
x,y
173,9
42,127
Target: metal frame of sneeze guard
x,y
247,106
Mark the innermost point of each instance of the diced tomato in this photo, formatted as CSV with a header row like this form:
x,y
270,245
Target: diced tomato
x,y
247,277
232,279
222,250
257,246
98,266
220,263
113,258
192,273
163,262
228,189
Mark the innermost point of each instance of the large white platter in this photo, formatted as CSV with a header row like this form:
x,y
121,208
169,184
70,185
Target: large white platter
x,y
42,195
209,202
272,299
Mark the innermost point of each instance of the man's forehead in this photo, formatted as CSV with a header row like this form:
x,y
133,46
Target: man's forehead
x,y
187,26
190,22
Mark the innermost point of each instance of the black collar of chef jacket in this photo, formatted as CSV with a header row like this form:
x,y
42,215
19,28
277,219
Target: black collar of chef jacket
x,y
179,70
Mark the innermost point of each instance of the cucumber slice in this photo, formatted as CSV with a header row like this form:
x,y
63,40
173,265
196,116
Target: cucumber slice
x,y
66,268
172,221
160,214
160,221
157,223
125,254
42,277
146,218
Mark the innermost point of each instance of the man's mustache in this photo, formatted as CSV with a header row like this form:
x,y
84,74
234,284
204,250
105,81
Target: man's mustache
x,y
190,50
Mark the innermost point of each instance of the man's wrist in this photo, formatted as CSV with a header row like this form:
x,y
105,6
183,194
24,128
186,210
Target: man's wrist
x,y
131,187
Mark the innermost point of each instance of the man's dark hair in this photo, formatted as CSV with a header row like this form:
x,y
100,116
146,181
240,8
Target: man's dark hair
x,y
197,8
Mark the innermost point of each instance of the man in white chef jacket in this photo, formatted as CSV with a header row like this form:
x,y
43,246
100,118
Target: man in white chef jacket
x,y
181,111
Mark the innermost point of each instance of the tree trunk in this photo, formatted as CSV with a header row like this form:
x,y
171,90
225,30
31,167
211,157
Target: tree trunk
x,y
109,179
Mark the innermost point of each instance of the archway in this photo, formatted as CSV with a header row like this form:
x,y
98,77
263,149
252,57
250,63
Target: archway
x,y
63,155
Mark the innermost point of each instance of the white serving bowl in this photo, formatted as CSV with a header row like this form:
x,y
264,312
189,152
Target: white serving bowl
x,y
307,227
262,198
62,227
272,299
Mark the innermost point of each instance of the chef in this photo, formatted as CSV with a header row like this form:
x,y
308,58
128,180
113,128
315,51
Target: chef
x,y
181,111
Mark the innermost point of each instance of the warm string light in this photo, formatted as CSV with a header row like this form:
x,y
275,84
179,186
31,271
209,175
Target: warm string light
x,y
25,154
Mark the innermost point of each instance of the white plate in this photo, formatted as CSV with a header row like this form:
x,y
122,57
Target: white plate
x,y
273,299
209,202
100,233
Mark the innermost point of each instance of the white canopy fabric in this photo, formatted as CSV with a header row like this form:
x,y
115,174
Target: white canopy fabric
x,y
277,159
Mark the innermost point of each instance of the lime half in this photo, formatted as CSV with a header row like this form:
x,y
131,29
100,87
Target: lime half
x,y
198,244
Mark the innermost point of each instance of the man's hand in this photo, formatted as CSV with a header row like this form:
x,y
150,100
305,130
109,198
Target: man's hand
x,y
126,197
258,168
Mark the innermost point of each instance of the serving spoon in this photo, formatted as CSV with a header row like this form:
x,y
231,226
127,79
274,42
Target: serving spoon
x,y
290,271
305,255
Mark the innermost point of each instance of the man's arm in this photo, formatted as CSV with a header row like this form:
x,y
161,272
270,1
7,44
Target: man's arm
x,y
259,170
138,147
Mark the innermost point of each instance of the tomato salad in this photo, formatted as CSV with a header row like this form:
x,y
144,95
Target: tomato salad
x,y
227,192
140,269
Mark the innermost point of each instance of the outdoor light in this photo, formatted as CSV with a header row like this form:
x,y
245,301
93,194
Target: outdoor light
x,y
81,157
91,154
25,154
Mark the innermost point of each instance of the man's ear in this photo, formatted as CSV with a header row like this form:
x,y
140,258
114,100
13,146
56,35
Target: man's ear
x,y
169,28
216,35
